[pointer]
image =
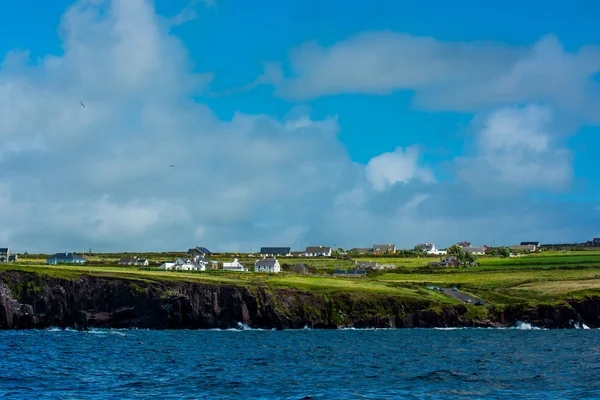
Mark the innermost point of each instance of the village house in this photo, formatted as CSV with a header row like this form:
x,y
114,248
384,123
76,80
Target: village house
x,y
65,258
449,262
270,265
142,262
4,254
384,248
318,251
596,242
366,264
523,247
185,265
429,248
234,266
350,273
299,269
475,250
133,261
199,252
275,251
298,253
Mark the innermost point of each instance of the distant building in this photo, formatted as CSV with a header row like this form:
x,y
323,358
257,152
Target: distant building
x,y
142,262
384,248
270,265
299,269
128,260
4,254
318,251
596,242
476,250
65,258
13,258
449,262
429,248
350,273
234,266
366,264
184,265
523,247
536,244
298,253
199,252
275,251
464,244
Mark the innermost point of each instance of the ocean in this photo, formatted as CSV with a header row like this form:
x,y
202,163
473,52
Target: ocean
x,y
305,364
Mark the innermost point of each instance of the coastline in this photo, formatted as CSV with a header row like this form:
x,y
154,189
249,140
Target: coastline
x,y
36,301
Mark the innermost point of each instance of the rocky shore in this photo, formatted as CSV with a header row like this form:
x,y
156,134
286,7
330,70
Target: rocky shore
x,y
32,301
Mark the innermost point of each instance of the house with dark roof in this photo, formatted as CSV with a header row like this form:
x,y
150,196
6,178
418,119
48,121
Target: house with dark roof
x,y
199,251
275,251
384,248
128,260
65,258
449,262
318,251
350,273
476,250
596,242
270,265
299,269
4,254
523,247
536,244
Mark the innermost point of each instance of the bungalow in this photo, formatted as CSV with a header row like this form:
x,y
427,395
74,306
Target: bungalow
x,y
4,254
65,258
234,266
318,251
128,260
298,253
476,250
299,269
184,265
523,247
464,244
270,265
536,244
429,248
361,250
350,273
199,252
449,262
366,264
275,251
384,248
142,262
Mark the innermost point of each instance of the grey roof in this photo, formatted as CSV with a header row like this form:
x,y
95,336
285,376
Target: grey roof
x,y
3,249
128,260
349,272
530,243
199,249
425,246
385,247
267,262
67,256
275,250
318,249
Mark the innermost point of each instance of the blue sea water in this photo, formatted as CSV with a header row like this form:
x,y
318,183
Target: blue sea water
x,y
304,364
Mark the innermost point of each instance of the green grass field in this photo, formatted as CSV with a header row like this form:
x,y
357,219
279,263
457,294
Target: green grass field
x,y
539,278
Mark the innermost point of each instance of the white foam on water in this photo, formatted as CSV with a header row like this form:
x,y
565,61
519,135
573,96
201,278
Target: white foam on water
x,y
526,326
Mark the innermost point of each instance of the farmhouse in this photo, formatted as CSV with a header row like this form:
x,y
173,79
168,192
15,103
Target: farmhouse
x,y
234,266
350,273
199,252
128,260
476,250
275,251
65,258
4,254
449,262
318,251
429,248
523,247
185,265
384,248
299,269
267,265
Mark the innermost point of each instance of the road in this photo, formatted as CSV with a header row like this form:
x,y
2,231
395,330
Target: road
x,y
462,296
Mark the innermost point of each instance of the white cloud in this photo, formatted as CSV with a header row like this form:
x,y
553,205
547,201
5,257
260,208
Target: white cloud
x,y
462,76
517,148
402,165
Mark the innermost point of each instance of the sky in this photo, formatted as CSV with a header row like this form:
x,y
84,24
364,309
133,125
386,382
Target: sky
x,y
295,123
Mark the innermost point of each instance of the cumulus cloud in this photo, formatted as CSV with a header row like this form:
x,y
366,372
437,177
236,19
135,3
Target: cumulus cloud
x,y
517,148
402,165
462,76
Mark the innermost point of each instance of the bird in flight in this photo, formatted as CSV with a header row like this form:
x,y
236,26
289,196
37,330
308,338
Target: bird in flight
x,y
82,105
171,165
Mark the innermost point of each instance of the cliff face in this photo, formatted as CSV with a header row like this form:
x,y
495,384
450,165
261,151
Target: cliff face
x,y
29,300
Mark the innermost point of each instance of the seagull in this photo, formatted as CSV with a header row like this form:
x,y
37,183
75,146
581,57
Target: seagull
x,y
82,105
171,165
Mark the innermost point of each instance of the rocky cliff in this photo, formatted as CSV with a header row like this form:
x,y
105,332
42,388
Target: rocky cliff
x,y
29,300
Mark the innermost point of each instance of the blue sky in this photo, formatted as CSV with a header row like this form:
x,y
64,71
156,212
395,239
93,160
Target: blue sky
x,y
297,123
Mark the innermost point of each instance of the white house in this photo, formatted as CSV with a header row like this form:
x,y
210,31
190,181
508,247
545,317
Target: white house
x,y
476,250
267,265
429,248
318,251
234,266
185,265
